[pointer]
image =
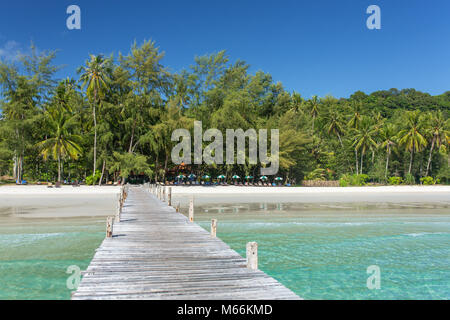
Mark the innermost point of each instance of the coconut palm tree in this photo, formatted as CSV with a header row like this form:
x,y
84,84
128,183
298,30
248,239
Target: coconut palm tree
x,y
314,109
388,140
353,123
412,137
438,131
61,142
296,102
364,138
335,125
95,78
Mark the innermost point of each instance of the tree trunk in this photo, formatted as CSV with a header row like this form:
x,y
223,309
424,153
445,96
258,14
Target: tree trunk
x,y
15,168
165,167
340,140
103,171
431,154
59,168
387,161
95,141
356,160
156,169
132,136
411,160
361,167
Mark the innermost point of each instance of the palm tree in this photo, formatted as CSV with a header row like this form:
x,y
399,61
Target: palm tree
x,y
335,125
314,109
95,77
61,142
412,136
388,140
364,138
438,130
353,123
296,102
355,117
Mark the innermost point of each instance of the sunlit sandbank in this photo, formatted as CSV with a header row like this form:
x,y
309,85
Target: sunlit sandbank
x,y
64,202
389,194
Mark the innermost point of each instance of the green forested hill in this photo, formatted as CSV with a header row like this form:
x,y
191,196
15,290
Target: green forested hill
x,y
117,117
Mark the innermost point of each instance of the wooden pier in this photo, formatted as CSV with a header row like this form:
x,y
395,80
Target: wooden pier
x,y
155,252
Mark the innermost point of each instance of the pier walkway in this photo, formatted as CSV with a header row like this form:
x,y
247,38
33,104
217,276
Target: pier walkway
x,y
156,253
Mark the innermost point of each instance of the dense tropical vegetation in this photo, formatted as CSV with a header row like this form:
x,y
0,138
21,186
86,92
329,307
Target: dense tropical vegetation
x,y
116,120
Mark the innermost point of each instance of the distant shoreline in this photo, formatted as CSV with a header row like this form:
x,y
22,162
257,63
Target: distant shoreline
x,y
187,189
306,190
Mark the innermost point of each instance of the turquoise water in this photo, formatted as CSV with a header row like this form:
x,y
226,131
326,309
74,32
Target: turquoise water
x,y
35,255
320,251
324,253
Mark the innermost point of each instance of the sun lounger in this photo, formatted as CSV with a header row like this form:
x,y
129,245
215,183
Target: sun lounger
x,y
49,185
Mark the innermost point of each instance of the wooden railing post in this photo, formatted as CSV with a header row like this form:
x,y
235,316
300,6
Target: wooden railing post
x,y
118,209
252,255
169,200
191,209
178,207
213,228
109,227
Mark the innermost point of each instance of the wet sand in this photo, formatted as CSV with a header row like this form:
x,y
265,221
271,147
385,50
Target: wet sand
x,y
65,202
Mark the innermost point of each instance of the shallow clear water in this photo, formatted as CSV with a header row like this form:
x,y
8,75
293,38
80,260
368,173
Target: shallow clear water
x,y
320,251
323,251
35,255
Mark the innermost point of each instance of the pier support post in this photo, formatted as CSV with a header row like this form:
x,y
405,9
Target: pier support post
x,y
118,209
109,227
252,255
169,199
213,228
191,209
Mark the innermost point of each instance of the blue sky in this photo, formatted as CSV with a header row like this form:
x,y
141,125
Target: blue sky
x,y
314,47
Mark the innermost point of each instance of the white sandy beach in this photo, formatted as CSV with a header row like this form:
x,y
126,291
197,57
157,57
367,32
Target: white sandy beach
x,y
64,190
306,190
381,194
65,202
91,201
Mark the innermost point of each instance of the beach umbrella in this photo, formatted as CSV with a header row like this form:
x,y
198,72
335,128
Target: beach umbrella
x,y
221,177
263,178
235,177
206,176
192,176
181,176
278,178
248,177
